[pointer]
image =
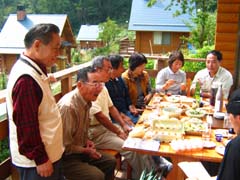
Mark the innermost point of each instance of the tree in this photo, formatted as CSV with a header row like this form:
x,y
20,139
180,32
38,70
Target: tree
x,y
203,21
109,32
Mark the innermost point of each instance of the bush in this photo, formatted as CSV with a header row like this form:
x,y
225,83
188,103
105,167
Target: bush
x,y
190,66
4,150
3,81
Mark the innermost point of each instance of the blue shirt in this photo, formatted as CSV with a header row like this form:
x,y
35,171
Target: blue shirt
x,y
119,94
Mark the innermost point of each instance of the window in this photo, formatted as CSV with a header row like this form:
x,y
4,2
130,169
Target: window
x,y
161,38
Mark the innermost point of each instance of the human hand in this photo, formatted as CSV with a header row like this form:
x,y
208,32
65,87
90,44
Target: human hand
x,y
133,110
147,98
127,120
90,144
169,83
122,135
51,78
45,169
92,152
182,87
95,154
127,128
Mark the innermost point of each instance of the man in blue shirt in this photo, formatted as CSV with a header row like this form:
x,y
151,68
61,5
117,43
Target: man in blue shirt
x,y
119,93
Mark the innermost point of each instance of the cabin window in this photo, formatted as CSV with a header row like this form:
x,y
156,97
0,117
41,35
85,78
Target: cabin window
x,y
161,38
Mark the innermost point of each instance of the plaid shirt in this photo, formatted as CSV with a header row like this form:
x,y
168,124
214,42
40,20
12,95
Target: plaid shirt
x,y
27,96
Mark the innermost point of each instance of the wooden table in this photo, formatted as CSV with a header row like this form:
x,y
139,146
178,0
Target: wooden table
x,y
166,150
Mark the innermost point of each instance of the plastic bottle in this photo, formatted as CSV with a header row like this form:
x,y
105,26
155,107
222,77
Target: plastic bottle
x,y
219,100
214,89
197,93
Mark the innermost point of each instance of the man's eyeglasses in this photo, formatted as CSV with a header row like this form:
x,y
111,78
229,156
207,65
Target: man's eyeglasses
x,y
95,84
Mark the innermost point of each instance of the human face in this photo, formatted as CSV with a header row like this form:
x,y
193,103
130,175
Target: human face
x,y
235,121
176,65
212,64
117,72
47,54
105,72
91,89
138,70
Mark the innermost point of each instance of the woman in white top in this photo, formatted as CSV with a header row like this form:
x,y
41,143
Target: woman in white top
x,y
172,79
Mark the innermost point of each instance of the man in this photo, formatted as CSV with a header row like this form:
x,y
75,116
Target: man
x,y
213,73
107,135
35,125
81,159
119,93
229,168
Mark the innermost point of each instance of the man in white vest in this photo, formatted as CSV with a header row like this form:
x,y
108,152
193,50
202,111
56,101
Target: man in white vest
x,y
35,125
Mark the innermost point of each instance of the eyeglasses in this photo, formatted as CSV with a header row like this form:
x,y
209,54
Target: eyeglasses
x,y
95,84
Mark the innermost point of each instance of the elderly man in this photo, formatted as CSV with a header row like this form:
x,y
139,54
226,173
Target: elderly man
x,y
107,135
81,160
35,124
213,73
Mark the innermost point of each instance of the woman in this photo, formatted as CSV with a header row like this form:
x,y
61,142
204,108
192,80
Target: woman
x,y
171,79
137,81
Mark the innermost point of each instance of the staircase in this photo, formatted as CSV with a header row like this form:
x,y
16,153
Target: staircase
x,y
127,47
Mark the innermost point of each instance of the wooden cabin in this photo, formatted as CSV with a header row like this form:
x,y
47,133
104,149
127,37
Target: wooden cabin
x,y
88,37
157,31
17,25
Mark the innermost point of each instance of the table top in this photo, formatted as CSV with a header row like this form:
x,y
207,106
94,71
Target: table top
x,y
205,154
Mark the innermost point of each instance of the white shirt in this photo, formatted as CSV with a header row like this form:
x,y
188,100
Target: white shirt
x,y
165,74
101,104
223,76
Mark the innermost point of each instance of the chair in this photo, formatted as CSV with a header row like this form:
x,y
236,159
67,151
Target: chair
x,y
118,157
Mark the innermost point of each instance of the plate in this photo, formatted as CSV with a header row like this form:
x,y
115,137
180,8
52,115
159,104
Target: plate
x,y
220,150
224,132
172,111
209,144
150,107
196,113
219,115
173,98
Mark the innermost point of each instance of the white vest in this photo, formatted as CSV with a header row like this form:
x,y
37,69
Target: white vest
x,y
50,122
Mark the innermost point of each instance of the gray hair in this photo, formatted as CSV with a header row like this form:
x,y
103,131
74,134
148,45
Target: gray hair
x,y
97,62
83,74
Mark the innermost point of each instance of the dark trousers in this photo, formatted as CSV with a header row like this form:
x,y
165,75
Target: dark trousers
x,y
31,173
82,167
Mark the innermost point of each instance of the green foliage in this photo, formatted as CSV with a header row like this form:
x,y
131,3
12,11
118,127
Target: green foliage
x,y
202,29
151,175
190,66
75,57
109,32
150,64
201,52
4,150
203,21
3,81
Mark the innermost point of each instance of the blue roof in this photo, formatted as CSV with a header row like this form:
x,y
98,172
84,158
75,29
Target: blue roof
x,y
88,33
13,31
155,18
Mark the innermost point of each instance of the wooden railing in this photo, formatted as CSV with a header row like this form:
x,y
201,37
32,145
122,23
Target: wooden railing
x,y
67,84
